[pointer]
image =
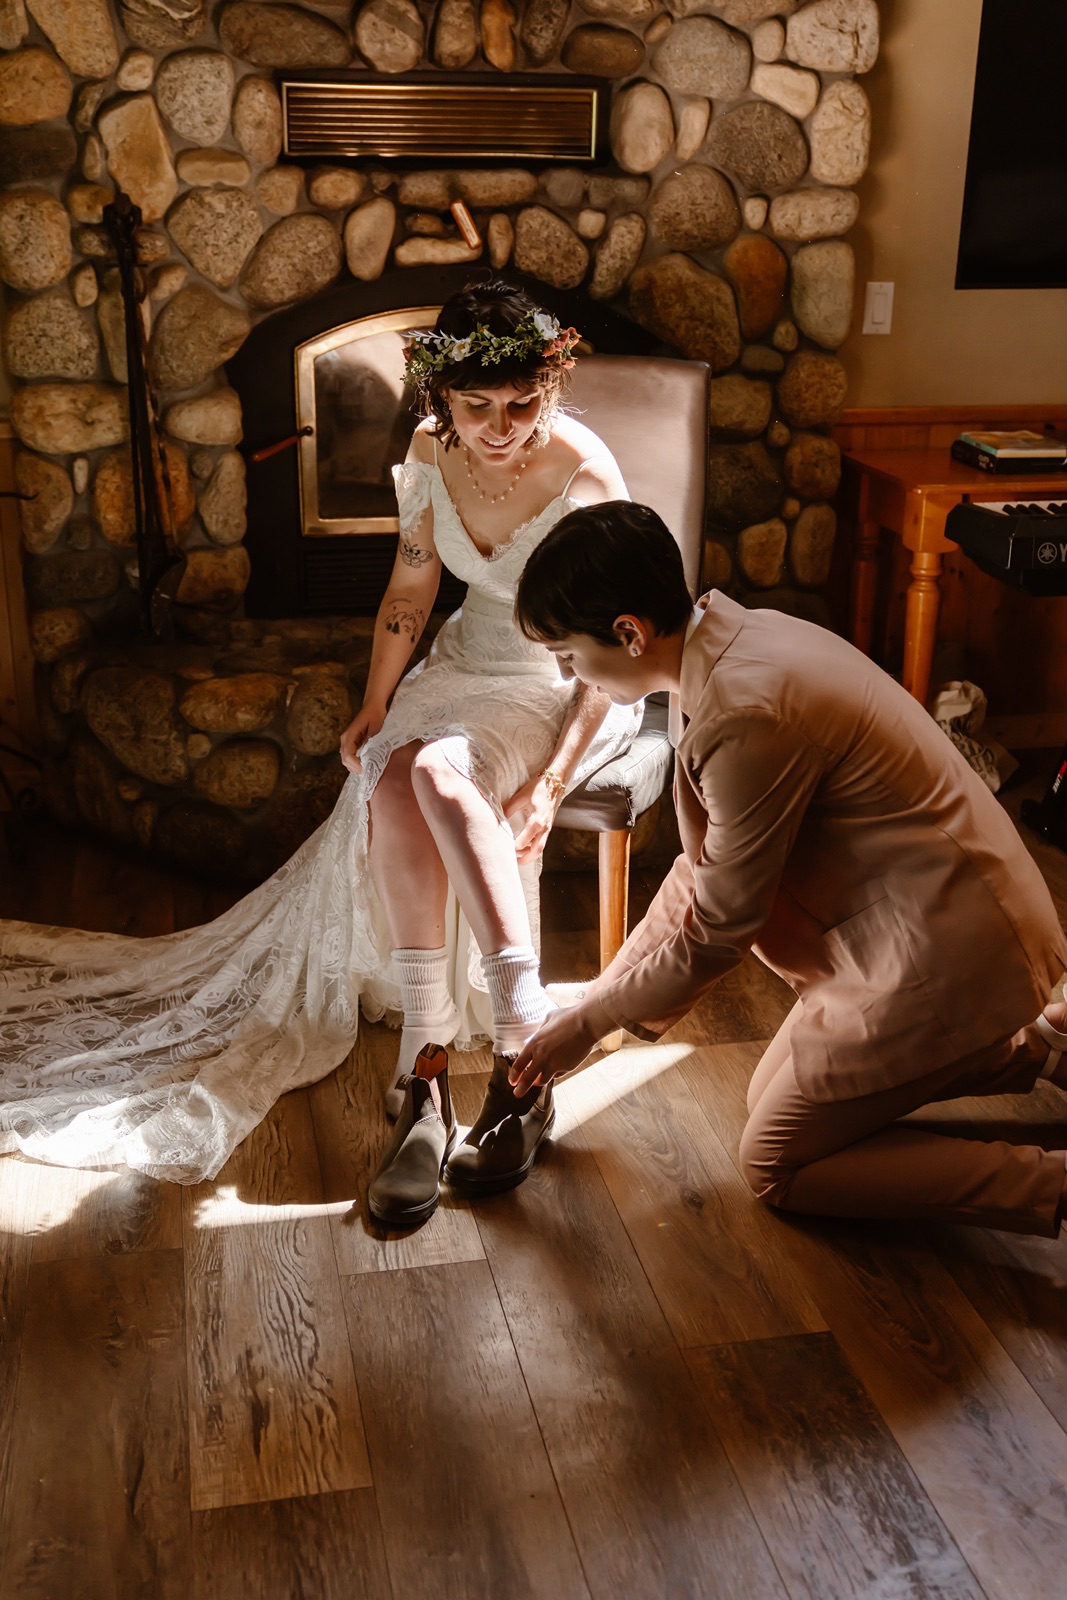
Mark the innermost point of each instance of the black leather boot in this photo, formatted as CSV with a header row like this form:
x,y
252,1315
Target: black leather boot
x,y
407,1186
501,1147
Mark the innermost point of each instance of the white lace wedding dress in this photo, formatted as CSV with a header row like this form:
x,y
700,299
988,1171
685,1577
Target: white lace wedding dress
x,y
161,1054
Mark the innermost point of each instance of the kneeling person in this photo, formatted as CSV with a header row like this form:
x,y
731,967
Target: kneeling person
x,y
828,825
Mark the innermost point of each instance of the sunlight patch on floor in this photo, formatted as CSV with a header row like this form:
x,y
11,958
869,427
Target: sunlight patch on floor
x,y
35,1198
225,1209
596,1087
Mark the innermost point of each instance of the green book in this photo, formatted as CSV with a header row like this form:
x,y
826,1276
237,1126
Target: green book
x,y
1020,442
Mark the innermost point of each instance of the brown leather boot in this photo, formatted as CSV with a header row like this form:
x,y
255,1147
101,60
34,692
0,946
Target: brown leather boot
x,y
407,1186
503,1144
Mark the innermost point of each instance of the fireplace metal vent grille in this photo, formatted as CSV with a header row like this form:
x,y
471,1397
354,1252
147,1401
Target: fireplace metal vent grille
x,y
540,119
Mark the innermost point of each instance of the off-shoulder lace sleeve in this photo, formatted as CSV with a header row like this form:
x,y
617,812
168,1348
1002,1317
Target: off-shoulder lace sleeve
x,y
412,481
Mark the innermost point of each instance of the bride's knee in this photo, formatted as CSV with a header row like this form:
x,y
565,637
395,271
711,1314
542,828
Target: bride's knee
x,y
433,777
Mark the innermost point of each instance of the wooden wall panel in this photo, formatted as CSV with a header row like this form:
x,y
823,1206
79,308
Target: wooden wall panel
x,y
928,427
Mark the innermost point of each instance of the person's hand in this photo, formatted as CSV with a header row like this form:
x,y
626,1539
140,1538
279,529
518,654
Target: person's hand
x,y
561,1043
535,805
364,725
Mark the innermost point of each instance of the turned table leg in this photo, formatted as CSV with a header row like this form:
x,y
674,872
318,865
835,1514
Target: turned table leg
x,y
614,897
924,535
920,622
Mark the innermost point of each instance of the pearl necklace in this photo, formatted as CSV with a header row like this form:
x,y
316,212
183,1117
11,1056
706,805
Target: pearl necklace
x,y
490,499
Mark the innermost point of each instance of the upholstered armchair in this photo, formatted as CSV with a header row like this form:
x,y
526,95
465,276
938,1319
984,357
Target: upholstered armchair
x,y
653,414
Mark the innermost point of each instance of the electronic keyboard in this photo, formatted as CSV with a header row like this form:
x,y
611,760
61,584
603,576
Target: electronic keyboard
x,y
1022,542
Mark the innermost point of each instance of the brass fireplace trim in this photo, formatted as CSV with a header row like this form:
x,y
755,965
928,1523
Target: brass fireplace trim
x,y
482,118
313,525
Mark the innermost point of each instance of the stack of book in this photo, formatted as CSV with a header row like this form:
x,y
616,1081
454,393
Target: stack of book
x,y
1015,452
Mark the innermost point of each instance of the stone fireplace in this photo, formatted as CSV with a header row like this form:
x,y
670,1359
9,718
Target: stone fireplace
x,y
712,226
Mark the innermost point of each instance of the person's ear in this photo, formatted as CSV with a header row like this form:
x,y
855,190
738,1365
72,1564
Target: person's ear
x,y
631,633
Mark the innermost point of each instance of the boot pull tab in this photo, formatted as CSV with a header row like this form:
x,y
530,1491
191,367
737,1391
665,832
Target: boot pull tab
x,y
431,1059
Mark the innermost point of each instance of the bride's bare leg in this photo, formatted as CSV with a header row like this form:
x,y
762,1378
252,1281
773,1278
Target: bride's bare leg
x,y
409,875
478,853
479,856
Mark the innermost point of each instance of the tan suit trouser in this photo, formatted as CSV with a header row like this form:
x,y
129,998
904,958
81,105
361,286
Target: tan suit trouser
x,y
842,1158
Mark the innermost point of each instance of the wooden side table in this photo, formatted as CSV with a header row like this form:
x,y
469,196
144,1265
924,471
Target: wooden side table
x,y
911,492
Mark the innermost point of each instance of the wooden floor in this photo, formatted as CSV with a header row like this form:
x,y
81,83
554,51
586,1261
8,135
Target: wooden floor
x,y
624,1380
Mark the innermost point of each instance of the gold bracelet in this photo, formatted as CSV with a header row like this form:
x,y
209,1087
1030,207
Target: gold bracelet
x,y
554,784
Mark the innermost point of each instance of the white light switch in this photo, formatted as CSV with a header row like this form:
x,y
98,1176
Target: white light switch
x,y
878,309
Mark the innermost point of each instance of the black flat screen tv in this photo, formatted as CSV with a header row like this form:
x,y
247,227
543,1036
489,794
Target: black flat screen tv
x,y
1013,233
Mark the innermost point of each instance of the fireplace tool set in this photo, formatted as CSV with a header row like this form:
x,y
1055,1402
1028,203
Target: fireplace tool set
x,y
160,563
24,802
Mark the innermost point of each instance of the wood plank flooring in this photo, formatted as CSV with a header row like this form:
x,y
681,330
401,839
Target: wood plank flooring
x,y
623,1381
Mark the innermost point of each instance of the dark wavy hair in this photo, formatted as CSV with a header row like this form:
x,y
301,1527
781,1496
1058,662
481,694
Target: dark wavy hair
x,y
598,563
500,307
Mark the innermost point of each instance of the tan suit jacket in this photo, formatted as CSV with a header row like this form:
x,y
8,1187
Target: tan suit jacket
x,y
828,824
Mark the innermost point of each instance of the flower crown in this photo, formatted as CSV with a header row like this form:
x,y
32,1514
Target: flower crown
x,y
538,334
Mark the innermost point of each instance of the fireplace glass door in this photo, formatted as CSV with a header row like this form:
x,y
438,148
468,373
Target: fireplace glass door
x,y
350,392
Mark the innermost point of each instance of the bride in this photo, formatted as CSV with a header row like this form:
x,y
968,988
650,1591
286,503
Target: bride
x,y
417,896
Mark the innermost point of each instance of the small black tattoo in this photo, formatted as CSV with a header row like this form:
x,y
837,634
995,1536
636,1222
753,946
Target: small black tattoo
x,y
402,618
412,555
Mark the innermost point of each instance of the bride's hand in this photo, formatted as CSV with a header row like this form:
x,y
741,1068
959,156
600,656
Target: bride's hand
x,y
533,803
364,725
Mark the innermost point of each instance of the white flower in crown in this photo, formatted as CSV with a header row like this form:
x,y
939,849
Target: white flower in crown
x,y
546,324
461,349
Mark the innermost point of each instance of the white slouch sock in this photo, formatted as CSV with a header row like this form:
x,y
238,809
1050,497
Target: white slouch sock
x,y
430,1015
519,1003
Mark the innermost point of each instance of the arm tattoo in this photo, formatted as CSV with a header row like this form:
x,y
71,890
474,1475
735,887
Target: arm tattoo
x,y
413,555
403,618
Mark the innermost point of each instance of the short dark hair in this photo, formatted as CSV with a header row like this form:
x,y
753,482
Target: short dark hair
x,y
598,563
500,307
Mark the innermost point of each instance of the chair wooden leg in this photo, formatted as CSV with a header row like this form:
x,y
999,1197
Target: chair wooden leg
x,y
614,895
